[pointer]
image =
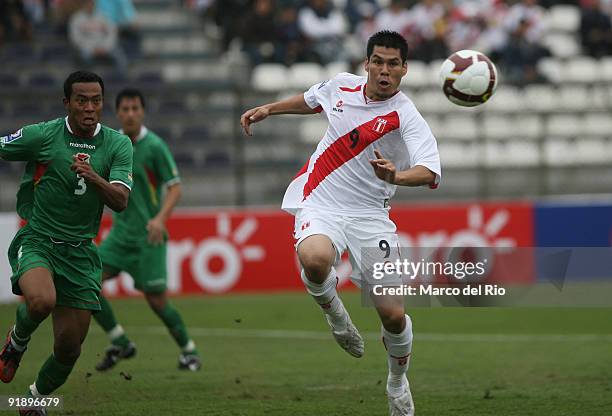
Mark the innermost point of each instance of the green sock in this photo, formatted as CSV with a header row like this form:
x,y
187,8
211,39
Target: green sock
x,y
106,319
24,326
173,321
52,375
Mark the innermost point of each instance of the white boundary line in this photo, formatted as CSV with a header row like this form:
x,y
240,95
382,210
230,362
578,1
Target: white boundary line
x,y
433,337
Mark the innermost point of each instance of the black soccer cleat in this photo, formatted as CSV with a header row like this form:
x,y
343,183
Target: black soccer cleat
x,y
9,360
190,362
114,354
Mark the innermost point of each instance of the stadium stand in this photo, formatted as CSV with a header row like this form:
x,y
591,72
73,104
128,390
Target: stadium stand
x,y
198,81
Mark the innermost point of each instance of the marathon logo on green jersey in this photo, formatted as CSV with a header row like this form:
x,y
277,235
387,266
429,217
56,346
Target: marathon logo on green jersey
x,y
83,146
11,137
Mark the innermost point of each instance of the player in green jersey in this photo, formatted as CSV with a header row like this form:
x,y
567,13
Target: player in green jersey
x,y
75,166
137,241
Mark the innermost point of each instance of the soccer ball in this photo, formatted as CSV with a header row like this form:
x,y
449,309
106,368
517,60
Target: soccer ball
x,y
468,78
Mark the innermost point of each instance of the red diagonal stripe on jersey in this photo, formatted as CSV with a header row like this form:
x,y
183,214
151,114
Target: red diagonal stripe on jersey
x,y
151,177
39,171
347,89
340,151
152,185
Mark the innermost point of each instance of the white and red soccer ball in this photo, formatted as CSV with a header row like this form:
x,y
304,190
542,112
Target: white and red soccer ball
x,y
468,78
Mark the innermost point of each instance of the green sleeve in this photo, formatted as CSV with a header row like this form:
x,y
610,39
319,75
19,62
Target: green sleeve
x,y
26,144
121,168
165,166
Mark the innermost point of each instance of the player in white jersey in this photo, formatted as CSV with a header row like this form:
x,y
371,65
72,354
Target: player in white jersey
x,y
376,140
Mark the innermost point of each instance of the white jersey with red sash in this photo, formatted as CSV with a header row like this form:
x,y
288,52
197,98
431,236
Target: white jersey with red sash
x,y
338,177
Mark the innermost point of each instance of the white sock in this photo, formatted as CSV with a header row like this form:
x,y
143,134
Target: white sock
x,y
326,296
116,332
34,391
189,347
18,343
399,347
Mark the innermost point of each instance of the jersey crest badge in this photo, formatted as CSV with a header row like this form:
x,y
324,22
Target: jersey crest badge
x,y
380,124
83,157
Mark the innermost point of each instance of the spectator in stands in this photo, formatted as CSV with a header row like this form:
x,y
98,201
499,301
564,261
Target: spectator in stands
x,y
466,25
356,9
526,17
14,21
524,27
367,26
61,11
35,10
397,18
123,14
429,29
324,27
290,46
95,37
494,36
595,29
258,35
227,15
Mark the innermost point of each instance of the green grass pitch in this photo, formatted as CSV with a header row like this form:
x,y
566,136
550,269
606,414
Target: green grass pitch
x,y
273,355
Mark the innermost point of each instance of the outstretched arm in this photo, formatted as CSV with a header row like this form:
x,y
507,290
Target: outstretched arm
x,y
415,176
291,105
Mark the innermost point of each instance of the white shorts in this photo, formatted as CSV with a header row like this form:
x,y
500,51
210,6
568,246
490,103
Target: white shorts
x,y
373,236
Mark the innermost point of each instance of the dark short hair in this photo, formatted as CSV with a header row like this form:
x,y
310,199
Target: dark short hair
x,y
388,39
129,93
81,76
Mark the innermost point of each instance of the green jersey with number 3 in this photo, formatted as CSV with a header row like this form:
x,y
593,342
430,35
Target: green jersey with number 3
x,y
154,170
54,199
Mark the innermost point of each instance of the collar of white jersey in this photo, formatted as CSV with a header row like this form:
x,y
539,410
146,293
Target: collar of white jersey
x,y
98,128
370,101
141,135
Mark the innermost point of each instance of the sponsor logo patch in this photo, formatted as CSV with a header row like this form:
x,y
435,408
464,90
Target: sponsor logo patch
x,y
83,146
337,108
15,136
11,137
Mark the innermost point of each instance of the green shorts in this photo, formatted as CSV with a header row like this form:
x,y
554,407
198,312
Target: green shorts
x,y
146,263
76,267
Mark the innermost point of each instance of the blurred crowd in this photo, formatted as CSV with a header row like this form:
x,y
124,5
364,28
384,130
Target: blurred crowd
x,y
511,32
99,31
596,27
